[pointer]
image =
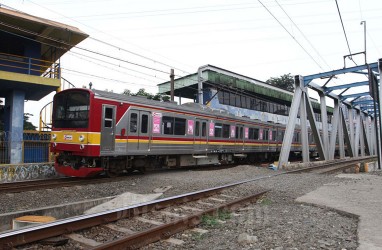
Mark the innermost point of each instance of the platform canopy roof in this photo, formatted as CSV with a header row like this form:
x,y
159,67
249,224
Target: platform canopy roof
x,y
49,33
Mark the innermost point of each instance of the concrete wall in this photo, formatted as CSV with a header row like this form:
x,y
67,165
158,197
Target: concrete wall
x,y
23,172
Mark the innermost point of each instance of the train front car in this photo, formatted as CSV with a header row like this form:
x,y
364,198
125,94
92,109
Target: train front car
x,y
74,142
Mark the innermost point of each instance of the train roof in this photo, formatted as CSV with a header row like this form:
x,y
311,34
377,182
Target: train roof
x,y
187,107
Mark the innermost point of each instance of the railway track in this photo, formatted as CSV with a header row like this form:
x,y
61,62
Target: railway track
x,y
194,205
16,187
151,211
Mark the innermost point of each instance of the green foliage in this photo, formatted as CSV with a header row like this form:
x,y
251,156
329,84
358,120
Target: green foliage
x,y
266,202
197,236
213,220
209,221
27,124
142,92
285,81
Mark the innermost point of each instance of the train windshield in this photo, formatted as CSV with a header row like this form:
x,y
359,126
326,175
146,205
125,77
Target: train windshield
x,y
71,109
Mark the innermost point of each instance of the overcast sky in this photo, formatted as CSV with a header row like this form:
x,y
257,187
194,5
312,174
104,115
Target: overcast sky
x,y
286,36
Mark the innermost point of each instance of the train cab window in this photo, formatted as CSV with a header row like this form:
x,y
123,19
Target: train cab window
x,y
225,131
218,130
180,126
71,109
144,123
197,127
133,122
108,122
204,129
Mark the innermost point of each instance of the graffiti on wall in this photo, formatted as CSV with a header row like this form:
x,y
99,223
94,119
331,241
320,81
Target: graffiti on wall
x,y
22,172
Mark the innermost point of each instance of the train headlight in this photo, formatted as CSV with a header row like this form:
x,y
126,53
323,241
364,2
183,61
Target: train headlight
x,y
54,144
81,138
82,146
54,136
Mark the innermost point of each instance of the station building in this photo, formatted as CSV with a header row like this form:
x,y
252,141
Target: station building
x,y
236,94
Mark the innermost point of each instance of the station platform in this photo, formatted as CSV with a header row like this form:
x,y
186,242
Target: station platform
x,y
357,194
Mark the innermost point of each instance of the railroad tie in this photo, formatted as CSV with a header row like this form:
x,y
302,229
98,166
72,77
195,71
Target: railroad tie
x,y
205,203
172,214
192,208
119,229
174,241
157,223
216,199
83,240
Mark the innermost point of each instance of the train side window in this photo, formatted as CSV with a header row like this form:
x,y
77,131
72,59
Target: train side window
x,y
144,123
168,125
218,130
274,135
241,133
237,132
265,135
108,123
133,122
256,133
180,126
204,129
197,125
225,131
250,134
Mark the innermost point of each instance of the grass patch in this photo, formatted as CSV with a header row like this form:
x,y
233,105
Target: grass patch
x,y
197,236
266,202
224,215
213,220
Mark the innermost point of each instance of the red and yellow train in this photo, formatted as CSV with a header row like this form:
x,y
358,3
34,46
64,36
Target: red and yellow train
x,y
96,132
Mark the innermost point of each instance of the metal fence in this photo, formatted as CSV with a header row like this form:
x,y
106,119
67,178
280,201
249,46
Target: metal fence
x,y
34,146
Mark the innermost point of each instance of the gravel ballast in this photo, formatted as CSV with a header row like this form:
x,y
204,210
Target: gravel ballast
x,y
275,222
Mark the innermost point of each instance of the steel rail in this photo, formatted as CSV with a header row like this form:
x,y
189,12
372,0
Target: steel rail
x,y
157,233
15,187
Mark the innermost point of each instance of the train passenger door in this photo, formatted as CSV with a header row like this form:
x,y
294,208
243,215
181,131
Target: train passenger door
x,y
139,130
200,136
108,128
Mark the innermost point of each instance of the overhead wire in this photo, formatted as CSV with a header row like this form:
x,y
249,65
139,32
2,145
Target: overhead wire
x,y
290,34
302,33
343,28
134,53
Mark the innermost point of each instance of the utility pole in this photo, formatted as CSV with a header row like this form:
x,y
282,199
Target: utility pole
x,y
172,84
364,37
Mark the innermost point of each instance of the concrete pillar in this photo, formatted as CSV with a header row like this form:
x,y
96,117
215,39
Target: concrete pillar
x,y
14,102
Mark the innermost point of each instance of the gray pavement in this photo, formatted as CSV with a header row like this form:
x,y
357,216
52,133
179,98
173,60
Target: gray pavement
x,y
359,194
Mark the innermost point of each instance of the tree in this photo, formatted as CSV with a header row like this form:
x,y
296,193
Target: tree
x,y
142,92
285,81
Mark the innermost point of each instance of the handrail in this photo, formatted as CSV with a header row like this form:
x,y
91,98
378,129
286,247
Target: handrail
x,y
43,68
